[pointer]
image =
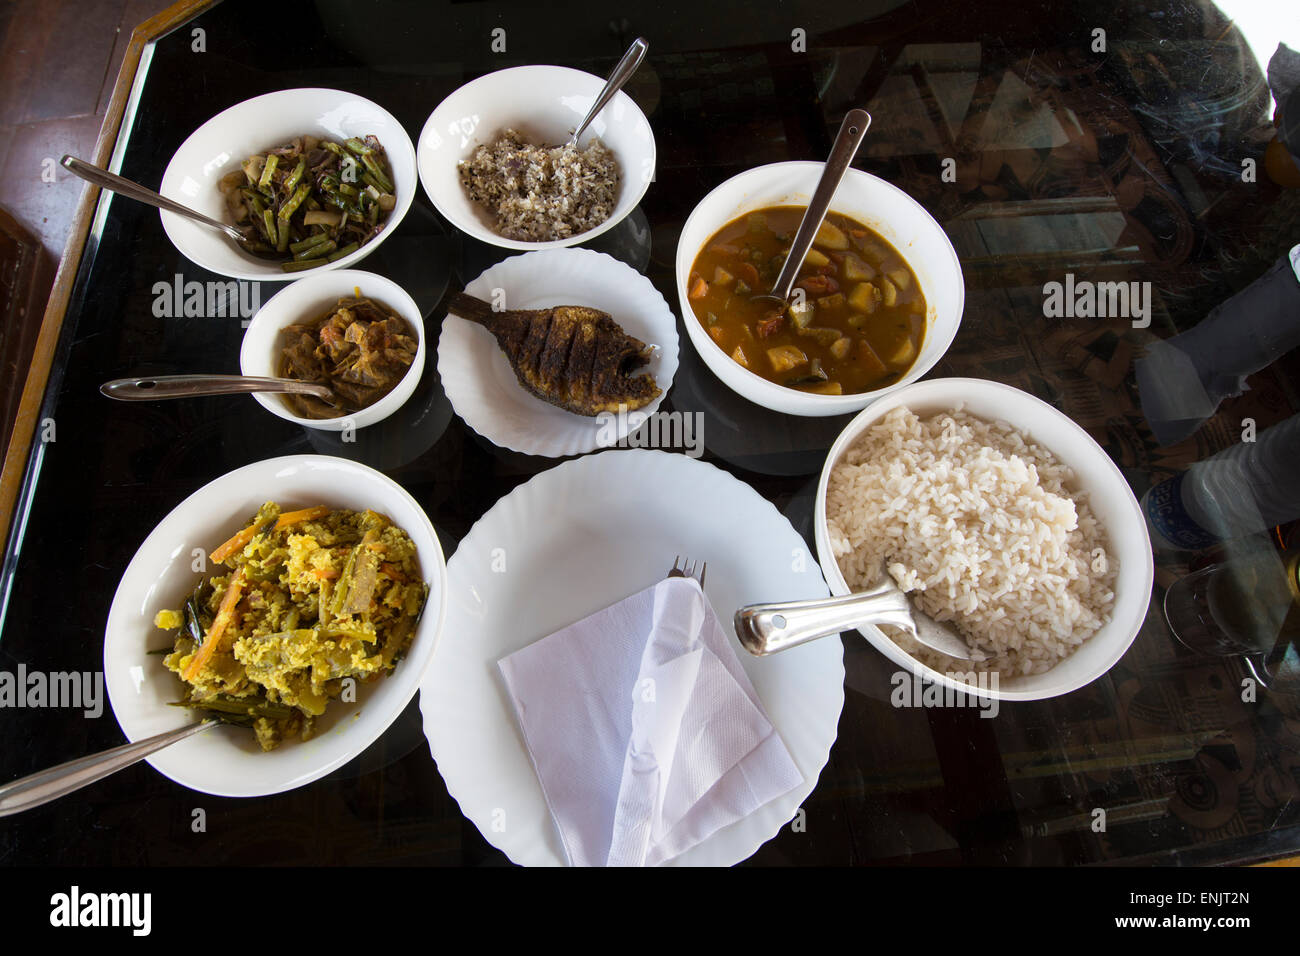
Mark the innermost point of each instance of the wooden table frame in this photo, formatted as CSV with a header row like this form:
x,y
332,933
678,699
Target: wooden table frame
x,y
27,419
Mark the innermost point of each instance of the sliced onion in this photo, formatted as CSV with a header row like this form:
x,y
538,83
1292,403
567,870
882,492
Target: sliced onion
x,y
320,217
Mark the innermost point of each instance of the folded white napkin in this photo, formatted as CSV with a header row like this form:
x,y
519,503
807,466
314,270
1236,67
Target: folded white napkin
x,y
645,731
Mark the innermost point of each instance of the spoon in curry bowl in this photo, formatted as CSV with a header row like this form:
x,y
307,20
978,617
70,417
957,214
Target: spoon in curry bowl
x,y
847,140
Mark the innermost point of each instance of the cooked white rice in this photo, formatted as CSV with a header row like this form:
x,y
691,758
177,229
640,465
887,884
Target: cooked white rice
x,y
542,193
982,528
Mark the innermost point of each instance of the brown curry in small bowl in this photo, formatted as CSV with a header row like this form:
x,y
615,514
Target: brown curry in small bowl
x,y
856,318
359,349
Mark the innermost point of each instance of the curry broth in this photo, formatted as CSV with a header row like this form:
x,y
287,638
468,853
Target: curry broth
x,y
862,322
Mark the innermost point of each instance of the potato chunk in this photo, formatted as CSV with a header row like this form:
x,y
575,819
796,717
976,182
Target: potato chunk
x,y
864,297
902,354
869,360
856,270
786,357
831,236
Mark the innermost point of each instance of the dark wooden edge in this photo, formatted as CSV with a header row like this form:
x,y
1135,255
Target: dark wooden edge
x,y
38,375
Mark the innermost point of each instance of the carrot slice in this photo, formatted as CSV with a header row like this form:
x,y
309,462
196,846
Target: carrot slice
x,y
237,542
219,624
285,520
699,289
295,517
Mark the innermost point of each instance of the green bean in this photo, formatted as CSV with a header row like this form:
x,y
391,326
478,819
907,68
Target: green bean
x,y
239,707
291,183
354,185
381,179
271,162
300,265
319,249
295,201
315,239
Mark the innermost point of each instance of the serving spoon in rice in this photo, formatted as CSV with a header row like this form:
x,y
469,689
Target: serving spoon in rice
x,y
768,628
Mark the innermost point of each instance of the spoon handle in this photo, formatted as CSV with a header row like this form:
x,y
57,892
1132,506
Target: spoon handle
x,y
124,187
46,785
622,73
190,386
847,141
767,628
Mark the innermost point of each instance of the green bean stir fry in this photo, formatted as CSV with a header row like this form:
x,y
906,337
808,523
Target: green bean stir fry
x,y
313,201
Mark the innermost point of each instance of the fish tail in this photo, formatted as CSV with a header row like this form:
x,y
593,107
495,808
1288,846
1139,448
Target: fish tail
x,y
468,307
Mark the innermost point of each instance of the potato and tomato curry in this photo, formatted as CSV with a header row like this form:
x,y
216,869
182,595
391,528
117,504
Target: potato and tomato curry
x,y
856,316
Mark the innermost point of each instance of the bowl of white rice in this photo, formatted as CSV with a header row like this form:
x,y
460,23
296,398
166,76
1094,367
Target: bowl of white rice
x,y
996,512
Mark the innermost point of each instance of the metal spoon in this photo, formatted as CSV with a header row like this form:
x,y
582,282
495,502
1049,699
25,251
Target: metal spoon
x,y
847,141
125,187
190,386
46,785
767,628
622,73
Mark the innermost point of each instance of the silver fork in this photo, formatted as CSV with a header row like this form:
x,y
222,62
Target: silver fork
x,y
688,570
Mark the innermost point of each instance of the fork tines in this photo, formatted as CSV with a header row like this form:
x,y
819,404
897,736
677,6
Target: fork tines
x,y
686,568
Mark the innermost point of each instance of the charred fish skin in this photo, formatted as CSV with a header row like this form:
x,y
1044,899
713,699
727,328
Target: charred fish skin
x,y
572,356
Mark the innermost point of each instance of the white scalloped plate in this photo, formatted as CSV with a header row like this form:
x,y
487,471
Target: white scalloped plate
x,y
580,537
482,386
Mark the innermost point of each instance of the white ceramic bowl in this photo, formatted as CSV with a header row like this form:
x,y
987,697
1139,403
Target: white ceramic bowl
x,y
309,298
545,104
227,761
871,201
1109,496
224,142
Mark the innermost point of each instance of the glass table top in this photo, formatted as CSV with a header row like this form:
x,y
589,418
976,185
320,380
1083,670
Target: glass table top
x,y
1045,160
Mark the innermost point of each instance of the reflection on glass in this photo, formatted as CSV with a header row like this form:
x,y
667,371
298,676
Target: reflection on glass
x,y
1245,604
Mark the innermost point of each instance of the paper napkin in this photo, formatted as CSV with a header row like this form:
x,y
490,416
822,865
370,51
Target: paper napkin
x,y
646,733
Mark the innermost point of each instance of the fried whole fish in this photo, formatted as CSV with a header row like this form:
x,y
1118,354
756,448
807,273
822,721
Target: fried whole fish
x,y
571,356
